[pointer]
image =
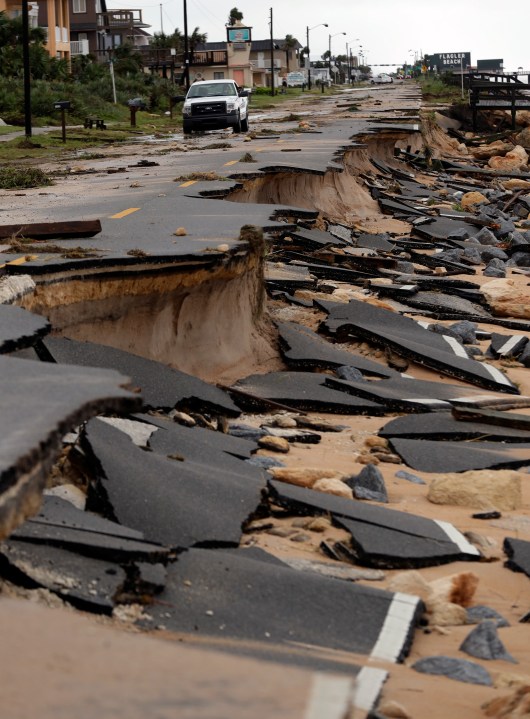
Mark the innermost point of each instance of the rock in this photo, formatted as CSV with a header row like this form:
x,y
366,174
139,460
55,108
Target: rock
x,y
519,259
446,614
511,707
477,614
515,184
352,374
319,425
523,138
409,477
506,680
522,117
472,256
472,199
319,524
411,582
246,431
456,588
495,268
388,457
180,232
300,537
513,160
302,522
368,484
487,514
480,489
484,152
375,441
461,670
274,444
302,476
294,435
367,459
394,710
283,421
333,486
466,331
282,531
483,643
182,418
506,299
486,237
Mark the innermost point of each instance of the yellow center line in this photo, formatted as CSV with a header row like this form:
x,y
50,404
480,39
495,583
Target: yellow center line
x,y
232,162
119,215
188,183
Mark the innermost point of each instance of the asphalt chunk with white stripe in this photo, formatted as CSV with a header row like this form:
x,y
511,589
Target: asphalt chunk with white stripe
x,y
408,339
381,537
231,594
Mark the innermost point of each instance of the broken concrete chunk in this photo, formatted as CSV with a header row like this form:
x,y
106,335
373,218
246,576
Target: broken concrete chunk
x,y
461,670
479,490
483,643
409,477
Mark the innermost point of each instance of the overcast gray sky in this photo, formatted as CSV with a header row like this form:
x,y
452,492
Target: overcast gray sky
x,y
390,32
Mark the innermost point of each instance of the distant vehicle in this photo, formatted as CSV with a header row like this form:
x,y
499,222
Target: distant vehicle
x,y
296,79
382,78
215,105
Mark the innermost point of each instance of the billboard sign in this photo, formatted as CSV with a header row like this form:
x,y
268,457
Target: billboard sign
x,y
447,61
238,34
490,65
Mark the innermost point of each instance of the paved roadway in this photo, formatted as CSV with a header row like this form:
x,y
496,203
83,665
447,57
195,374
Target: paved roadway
x,y
143,206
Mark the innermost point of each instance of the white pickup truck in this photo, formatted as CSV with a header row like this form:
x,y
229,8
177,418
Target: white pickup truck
x,y
214,105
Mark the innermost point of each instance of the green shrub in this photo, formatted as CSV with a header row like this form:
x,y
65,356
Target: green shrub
x,y
22,177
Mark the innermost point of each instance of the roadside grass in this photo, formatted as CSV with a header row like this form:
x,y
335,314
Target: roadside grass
x,y
435,90
8,129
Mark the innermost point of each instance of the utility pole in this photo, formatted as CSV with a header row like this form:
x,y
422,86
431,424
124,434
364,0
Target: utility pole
x,y
272,56
186,49
25,57
161,21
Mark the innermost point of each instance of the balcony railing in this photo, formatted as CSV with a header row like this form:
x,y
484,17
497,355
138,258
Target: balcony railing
x,y
208,58
79,47
120,19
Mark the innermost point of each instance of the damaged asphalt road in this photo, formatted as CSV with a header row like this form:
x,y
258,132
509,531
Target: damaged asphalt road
x,y
316,359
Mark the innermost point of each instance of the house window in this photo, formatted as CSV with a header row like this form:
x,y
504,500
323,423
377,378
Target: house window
x,y
79,6
98,6
218,76
82,36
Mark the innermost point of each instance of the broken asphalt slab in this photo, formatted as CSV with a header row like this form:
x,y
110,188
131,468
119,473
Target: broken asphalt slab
x,y
409,339
60,524
175,502
230,594
20,328
446,456
304,349
443,426
41,402
161,387
518,552
381,537
303,391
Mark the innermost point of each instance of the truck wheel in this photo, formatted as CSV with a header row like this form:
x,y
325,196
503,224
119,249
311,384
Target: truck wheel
x,y
186,128
237,126
244,124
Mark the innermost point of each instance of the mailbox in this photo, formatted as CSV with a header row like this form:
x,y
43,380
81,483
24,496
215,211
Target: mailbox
x,y
137,103
62,105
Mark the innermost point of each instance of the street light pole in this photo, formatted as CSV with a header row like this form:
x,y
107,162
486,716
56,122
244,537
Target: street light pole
x,y
322,24
25,56
186,48
329,50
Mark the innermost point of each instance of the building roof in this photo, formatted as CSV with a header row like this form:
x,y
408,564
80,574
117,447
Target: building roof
x,y
256,45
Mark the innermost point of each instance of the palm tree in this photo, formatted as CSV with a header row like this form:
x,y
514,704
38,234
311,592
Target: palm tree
x,y
288,45
235,16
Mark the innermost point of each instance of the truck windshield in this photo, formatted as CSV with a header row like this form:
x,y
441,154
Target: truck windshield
x,y
205,89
